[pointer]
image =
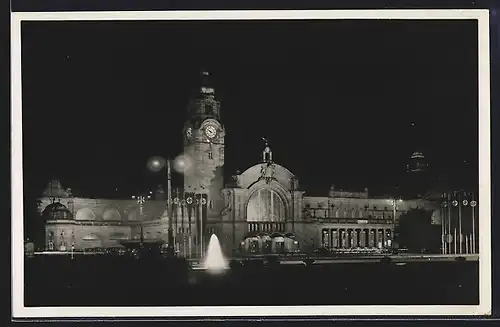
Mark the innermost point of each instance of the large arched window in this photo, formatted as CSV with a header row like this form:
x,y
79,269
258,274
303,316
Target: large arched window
x,y
265,205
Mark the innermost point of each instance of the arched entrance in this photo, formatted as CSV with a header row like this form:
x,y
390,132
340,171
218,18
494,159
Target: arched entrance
x,y
278,243
251,244
263,243
266,242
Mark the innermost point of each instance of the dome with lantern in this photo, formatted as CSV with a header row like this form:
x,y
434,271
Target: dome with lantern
x,y
57,211
417,162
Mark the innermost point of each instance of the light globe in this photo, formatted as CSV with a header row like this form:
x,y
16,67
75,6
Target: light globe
x,y
156,163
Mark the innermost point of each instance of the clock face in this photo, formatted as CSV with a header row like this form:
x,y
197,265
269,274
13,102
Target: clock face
x,y
189,133
210,131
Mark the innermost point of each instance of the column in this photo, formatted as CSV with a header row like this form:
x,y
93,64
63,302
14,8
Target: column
x,y
335,238
330,240
380,238
362,238
371,238
355,238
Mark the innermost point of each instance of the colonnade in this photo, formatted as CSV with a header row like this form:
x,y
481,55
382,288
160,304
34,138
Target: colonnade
x,y
337,238
266,244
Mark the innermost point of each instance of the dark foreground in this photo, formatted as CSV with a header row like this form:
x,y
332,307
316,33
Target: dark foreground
x,y
120,281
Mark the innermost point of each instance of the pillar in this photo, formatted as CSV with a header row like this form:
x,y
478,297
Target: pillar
x,y
345,238
335,238
362,238
371,238
380,238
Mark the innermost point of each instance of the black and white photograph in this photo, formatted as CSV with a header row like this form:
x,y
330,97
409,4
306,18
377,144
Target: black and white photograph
x,y
260,163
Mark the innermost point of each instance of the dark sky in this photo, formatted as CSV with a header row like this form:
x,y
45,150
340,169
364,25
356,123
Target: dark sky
x,y
335,98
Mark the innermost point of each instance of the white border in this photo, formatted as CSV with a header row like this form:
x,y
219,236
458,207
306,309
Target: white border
x,y
19,311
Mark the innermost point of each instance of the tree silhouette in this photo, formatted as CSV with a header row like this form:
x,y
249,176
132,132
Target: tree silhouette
x,y
416,232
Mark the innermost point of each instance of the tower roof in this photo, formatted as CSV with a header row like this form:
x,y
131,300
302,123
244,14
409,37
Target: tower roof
x,y
55,189
203,103
417,162
206,84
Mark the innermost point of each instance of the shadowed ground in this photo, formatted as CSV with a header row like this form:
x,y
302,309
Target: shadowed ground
x,y
120,281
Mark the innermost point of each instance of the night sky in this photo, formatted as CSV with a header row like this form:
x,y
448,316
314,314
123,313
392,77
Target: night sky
x,y
336,99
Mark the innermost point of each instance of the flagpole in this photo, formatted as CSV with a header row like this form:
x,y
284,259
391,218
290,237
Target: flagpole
x,y
201,225
171,249
448,201
473,204
443,246
455,241
461,241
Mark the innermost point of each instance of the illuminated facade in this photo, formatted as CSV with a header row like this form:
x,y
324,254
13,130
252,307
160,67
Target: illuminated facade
x,y
261,210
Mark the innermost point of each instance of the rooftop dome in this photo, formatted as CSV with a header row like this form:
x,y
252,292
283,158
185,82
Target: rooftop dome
x,y
57,211
417,155
417,162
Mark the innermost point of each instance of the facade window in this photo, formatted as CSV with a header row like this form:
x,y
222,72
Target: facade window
x,y
265,205
326,238
210,155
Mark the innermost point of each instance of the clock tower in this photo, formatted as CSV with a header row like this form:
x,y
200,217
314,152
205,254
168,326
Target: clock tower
x,y
204,145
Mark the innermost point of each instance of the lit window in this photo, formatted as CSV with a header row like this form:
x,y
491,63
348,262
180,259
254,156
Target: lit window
x,y
265,205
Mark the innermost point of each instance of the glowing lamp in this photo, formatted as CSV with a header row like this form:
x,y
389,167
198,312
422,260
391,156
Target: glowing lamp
x,y
182,163
155,164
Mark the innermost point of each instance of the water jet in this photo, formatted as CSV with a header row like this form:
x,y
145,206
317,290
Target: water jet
x,y
215,262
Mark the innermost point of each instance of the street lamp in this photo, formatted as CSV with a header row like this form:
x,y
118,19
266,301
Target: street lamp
x,y
444,232
455,204
180,164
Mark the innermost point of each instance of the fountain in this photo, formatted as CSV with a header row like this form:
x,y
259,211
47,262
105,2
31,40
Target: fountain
x,y
215,262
